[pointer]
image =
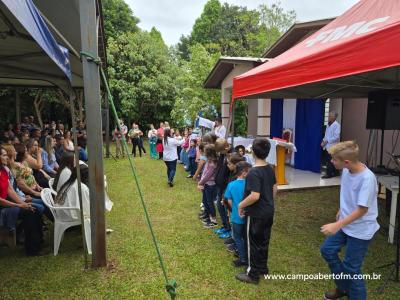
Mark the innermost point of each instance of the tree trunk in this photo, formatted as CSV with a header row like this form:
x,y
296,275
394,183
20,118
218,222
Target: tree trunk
x,y
80,111
38,104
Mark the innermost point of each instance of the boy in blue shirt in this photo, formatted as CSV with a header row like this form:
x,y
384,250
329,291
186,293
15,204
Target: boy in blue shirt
x,y
355,222
234,194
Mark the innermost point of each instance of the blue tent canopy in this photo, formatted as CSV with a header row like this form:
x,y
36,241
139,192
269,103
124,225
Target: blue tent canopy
x,y
40,42
29,17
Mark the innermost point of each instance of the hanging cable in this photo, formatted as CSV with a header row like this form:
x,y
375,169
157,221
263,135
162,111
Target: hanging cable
x,y
170,285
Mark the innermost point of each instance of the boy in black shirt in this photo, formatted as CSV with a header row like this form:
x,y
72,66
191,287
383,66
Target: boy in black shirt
x,y
258,207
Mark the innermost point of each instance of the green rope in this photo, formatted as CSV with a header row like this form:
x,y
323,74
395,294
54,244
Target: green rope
x,y
170,285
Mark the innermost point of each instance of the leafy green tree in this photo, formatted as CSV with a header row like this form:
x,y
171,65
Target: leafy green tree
x,y
274,21
141,76
237,31
192,98
118,18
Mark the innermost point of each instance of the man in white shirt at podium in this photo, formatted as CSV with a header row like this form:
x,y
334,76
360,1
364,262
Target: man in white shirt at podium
x,y
219,129
332,137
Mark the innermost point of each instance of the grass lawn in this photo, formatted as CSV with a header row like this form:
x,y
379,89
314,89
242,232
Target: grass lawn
x,y
194,256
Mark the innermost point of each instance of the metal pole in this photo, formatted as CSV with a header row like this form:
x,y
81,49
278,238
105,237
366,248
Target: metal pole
x,y
87,9
78,175
233,125
107,131
382,143
17,106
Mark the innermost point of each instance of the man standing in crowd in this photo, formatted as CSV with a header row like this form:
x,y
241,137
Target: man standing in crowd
x,y
332,137
219,129
118,138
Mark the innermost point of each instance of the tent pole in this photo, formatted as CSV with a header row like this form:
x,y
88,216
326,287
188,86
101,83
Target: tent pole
x,y
107,126
78,175
87,9
233,125
17,106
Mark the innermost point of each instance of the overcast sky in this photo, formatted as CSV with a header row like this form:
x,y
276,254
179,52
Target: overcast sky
x,y
176,17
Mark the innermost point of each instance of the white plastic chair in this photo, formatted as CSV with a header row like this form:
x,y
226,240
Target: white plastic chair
x,y
62,223
51,182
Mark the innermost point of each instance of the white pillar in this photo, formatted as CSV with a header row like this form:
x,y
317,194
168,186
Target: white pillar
x,y
263,117
225,105
252,112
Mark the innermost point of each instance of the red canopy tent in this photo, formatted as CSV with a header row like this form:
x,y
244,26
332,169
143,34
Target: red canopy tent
x,y
354,54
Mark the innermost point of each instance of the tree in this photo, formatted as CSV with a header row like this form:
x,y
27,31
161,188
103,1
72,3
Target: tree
x,y
205,26
237,31
141,73
192,98
274,22
118,18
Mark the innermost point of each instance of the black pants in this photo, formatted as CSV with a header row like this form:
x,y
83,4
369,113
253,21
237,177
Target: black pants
x,y
32,226
171,170
330,168
141,145
136,142
258,235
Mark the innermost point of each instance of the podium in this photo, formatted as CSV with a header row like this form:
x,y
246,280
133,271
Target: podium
x,y
280,165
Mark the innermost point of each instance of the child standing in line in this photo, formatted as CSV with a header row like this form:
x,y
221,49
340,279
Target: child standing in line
x,y
201,162
258,207
356,222
192,152
222,178
234,195
207,185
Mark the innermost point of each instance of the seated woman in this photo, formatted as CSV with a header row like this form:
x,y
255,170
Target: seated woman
x,y
66,187
50,165
68,144
13,208
36,201
35,162
24,174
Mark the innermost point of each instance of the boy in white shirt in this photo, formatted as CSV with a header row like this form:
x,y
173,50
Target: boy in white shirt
x,y
355,222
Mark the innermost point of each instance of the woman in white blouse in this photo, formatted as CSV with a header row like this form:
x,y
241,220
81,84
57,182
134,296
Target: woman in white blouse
x,y
170,154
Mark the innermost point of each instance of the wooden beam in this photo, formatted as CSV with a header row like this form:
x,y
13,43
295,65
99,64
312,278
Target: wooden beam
x,y
88,20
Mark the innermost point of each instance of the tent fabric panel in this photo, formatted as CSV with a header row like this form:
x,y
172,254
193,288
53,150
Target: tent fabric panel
x,y
309,122
364,39
28,16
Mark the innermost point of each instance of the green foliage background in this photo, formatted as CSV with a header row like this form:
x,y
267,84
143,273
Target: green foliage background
x,y
153,82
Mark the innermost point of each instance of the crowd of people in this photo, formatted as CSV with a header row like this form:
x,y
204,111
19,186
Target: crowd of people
x,y
239,190
30,157
228,185
242,191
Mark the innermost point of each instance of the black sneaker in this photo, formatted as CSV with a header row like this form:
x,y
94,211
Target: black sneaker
x,y
210,225
202,216
334,294
236,254
205,220
231,248
229,241
238,263
243,277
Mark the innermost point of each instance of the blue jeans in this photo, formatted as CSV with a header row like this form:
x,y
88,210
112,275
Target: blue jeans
x,y
222,210
184,157
38,204
209,194
171,169
239,236
356,250
192,165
